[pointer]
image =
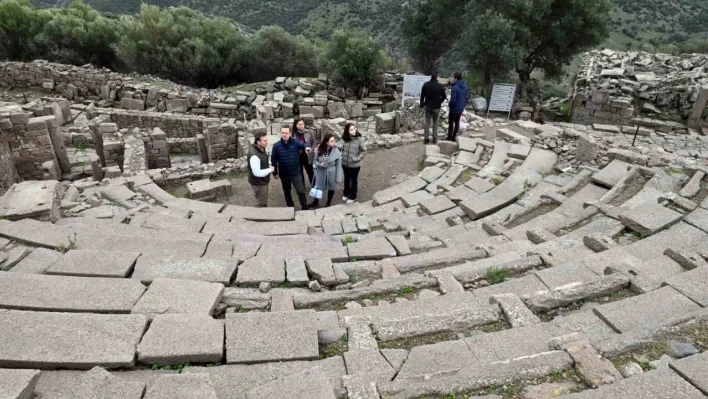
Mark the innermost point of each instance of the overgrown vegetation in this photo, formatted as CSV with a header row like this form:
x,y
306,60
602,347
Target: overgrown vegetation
x,y
180,44
496,276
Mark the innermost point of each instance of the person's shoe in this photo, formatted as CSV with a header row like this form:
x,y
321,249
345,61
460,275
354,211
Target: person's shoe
x,y
351,201
328,205
426,141
435,141
313,205
345,199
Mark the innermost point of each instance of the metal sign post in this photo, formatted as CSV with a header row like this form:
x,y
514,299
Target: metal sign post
x,y
502,98
412,86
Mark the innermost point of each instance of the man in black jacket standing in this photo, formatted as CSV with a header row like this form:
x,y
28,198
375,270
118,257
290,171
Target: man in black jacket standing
x,y
431,98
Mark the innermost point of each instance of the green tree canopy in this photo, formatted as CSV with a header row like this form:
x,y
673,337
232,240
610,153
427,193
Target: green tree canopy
x,y
430,28
20,23
273,52
79,34
181,44
354,58
489,45
546,33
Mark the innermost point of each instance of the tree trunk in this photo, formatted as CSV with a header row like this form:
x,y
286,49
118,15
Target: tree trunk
x,y
525,78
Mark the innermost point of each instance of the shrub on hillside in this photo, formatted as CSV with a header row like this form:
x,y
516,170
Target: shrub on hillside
x,y
354,58
273,52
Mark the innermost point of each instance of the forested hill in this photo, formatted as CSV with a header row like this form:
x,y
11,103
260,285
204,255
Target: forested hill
x,y
636,23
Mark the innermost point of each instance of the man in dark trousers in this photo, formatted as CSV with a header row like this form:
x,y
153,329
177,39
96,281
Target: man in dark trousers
x,y
458,101
258,169
285,159
431,98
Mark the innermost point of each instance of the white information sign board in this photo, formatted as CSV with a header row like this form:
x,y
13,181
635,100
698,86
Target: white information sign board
x,y
412,86
502,98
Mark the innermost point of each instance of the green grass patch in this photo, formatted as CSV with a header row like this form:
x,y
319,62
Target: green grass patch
x,y
497,180
347,240
496,275
177,367
527,185
405,291
334,349
80,148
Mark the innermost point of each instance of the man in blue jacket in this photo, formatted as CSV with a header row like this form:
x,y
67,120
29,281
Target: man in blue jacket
x,y
285,159
458,101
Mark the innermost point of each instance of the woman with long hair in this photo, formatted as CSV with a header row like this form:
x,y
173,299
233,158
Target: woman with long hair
x,y
353,152
302,134
327,166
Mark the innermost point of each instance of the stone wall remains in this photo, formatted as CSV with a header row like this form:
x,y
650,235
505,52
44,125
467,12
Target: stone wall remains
x,y
281,97
183,146
30,143
8,172
134,161
222,142
174,125
156,151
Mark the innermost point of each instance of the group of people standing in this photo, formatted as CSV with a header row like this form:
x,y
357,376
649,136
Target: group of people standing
x,y
433,95
301,152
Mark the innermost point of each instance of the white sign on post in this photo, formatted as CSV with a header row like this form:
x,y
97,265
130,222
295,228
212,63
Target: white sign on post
x,y
412,86
502,98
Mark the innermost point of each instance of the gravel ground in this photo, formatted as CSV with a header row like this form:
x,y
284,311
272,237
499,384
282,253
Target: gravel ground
x,y
377,170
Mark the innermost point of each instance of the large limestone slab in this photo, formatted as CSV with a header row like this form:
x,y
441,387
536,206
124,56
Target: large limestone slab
x,y
215,270
68,294
233,381
518,286
373,249
181,386
198,207
431,173
309,384
36,233
95,383
182,338
36,199
698,219
37,262
393,193
571,272
649,218
269,337
158,194
370,364
68,340
694,369
693,284
436,204
429,361
95,264
18,384
437,258
259,214
179,296
261,269
657,384
416,198
646,310
511,343
612,173
476,377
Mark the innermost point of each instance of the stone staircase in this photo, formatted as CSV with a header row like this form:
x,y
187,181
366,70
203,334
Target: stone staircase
x,y
505,279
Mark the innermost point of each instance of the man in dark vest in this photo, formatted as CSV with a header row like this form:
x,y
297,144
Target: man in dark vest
x,y
259,170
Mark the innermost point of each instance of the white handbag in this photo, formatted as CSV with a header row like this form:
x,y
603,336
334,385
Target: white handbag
x,y
315,192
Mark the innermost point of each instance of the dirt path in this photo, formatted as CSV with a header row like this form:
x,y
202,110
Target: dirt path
x,y
376,172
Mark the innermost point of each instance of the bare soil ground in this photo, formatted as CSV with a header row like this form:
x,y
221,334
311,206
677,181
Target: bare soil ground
x,y
377,170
